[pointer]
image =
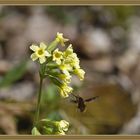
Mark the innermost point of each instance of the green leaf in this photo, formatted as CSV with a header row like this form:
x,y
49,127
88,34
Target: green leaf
x,y
35,131
14,74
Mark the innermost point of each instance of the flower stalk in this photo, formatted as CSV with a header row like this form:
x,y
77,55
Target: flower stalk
x,y
38,101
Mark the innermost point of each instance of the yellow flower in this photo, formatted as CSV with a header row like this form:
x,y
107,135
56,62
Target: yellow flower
x,y
65,77
80,73
70,57
61,39
65,90
40,52
72,60
75,61
57,56
68,51
63,125
65,68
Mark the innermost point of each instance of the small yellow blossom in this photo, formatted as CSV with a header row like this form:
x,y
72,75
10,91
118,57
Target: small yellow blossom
x,y
75,61
40,52
65,90
65,77
80,73
65,68
63,125
61,39
68,51
72,60
57,56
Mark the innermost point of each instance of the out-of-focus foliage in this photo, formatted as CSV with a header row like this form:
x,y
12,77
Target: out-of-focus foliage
x,y
59,14
14,74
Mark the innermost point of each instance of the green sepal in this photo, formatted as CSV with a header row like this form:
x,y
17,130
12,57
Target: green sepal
x,y
53,73
49,59
50,126
52,65
42,70
47,130
56,81
47,122
52,46
35,131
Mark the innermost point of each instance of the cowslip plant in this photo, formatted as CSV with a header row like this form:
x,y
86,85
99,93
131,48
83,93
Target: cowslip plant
x,y
58,66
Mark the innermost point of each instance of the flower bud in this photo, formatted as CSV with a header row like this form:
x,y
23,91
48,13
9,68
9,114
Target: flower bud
x,y
80,73
60,39
63,125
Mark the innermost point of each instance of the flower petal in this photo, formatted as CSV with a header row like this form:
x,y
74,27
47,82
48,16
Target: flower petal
x,y
47,54
63,94
43,46
58,61
42,60
56,50
66,72
59,34
34,47
34,56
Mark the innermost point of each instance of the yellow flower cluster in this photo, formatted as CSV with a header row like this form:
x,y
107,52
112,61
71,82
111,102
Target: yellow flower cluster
x,y
41,52
66,62
55,127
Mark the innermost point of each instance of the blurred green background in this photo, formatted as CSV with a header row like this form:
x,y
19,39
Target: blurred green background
x,y
107,41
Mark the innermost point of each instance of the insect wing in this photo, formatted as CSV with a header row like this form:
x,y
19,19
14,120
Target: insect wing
x,y
91,99
74,101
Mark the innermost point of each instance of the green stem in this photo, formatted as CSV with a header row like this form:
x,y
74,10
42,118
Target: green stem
x,y
38,102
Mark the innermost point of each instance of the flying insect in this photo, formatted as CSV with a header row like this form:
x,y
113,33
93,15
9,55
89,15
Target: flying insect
x,y
81,102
